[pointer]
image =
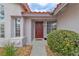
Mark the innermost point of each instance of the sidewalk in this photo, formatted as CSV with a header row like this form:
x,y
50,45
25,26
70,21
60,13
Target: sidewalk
x,y
39,48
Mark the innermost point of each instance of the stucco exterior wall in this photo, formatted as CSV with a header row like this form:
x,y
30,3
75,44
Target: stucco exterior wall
x,y
70,18
13,9
10,10
28,31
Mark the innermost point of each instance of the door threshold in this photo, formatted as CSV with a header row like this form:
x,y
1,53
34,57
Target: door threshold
x,y
39,38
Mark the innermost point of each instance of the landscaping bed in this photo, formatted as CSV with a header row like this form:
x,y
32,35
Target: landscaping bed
x,y
21,51
50,52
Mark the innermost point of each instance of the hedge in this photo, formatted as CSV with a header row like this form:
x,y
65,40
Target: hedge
x,y
64,42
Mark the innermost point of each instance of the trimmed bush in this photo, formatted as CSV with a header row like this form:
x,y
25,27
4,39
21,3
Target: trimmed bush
x,y
64,42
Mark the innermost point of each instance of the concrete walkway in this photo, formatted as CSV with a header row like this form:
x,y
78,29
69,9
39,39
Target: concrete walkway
x,y
39,48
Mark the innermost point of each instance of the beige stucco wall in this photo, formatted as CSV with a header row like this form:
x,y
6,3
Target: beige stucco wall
x,y
28,31
70,18
10,10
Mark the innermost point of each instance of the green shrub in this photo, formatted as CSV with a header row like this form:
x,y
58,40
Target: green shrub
x,y
64,42
9,50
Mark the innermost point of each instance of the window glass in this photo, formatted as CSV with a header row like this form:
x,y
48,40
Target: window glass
x,y
2,34
1,12
17,27
51,26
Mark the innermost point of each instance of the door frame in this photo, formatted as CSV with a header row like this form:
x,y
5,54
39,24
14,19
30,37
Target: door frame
x,y
35,29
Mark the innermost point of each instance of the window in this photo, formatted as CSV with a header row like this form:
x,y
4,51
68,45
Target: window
x,y
1,12
2,31
17,27
51,26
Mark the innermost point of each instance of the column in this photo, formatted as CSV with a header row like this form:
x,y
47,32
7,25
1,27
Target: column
x,y
22,27
45,29
29,31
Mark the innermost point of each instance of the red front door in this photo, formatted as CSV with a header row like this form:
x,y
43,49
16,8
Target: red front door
x,y
38,29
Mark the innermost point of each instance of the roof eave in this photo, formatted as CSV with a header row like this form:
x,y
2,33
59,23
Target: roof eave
x,y
57,9
25,7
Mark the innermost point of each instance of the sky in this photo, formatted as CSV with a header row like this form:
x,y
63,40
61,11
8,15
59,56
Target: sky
x,y
42,6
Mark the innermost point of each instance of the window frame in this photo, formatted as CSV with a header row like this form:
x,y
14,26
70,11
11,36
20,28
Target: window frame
x,y
2,31
1,12
49,28
17,27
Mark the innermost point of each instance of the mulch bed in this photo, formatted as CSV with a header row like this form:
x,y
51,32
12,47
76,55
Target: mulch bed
x,y
21,51
1,51
50,53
